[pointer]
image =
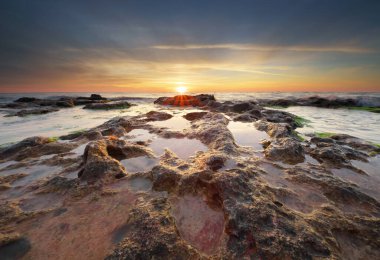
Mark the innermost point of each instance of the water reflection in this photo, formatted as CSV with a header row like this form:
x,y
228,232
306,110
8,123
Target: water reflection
x,y
246,134
137,135
139,164
183,147
177,123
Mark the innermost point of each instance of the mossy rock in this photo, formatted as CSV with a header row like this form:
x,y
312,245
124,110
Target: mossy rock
x,y
369,109
53,139
301,122
324,134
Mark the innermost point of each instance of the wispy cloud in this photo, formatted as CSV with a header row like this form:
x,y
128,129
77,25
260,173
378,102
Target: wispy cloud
x,y
265,48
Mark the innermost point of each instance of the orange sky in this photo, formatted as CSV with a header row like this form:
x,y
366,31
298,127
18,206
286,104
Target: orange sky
x,y
234,71
155,46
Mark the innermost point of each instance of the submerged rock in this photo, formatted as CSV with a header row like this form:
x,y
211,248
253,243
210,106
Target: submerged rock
x,y
26,99
36,106
158,116
194,115
109,105
24,144
37,111
328,102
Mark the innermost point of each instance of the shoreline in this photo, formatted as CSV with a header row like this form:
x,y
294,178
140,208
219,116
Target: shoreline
x,y
219,189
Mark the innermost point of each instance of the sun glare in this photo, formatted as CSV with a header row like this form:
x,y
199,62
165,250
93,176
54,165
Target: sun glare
x,y
181,89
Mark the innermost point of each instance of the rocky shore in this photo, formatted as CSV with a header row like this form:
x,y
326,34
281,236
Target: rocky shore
x,y
325,102
115,192
33,106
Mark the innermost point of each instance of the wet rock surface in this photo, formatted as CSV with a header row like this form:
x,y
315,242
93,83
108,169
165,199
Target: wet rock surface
x,y
287,150
317,101
292,199
27,106
186,100
108,105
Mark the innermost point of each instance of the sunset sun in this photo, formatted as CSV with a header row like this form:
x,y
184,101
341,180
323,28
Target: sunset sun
x,y
181,89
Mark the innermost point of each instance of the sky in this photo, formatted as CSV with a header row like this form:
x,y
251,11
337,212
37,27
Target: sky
x,y
203,45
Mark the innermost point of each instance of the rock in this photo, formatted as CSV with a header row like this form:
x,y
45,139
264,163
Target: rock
x,y
92,135
10,212
65,103
158,116
194,115
287,150
96,97
256,113
44,149
354,142
318,140
152,233
276,116
11,178
37,111
265,143
256,210
85,101
26,143
185,100
102,159
214,161
274,130
244,118
242,107
317,101
212,130
164,179
15,105
93,97
5,186
335,154
114,131
59,184
46,103
99,162
26,99
109,105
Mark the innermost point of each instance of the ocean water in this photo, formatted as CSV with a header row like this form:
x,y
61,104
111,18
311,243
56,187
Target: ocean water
x,y
361,124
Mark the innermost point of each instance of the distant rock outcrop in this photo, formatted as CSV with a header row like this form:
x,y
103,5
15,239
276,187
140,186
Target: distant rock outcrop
x,y
186,100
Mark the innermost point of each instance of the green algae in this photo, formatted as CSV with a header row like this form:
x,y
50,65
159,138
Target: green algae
x,y
301,122
78,132
298,136
369,109
277,107
324,134
53,139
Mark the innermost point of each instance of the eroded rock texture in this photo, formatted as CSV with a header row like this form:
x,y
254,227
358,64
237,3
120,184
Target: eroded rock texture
x,y
105,193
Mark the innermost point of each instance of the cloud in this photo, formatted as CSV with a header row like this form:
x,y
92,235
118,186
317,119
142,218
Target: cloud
x,y
265,48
